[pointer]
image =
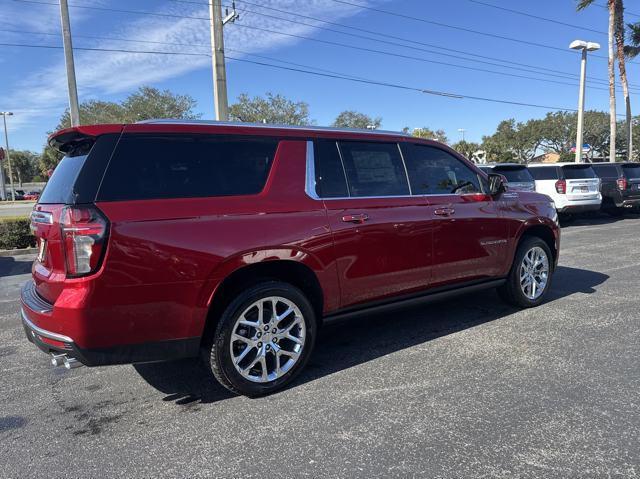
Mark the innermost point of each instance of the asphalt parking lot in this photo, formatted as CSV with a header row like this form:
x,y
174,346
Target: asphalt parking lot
x,y
463,388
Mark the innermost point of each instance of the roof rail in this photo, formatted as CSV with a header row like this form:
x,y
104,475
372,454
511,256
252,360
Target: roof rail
x,y
266,125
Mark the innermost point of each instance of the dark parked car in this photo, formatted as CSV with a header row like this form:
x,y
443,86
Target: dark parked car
x,y
620,186
18,194
164,240
517,175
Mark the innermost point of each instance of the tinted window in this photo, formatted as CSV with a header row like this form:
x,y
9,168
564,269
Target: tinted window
x,y
183,166
544,173
59,189
631,171
374,169
578,172
433,171
330,179
606,171
514,174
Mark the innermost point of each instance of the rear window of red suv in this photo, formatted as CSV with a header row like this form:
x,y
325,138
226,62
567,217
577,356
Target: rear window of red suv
x,y
187,166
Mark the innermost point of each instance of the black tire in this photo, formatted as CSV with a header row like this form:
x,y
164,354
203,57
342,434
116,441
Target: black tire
x,y
511,292
217,354
614,212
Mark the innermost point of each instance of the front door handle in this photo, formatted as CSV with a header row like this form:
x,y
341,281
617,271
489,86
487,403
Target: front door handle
x,y
446,211
359,218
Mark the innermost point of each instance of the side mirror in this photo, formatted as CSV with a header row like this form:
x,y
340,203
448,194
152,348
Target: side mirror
x,y
497,184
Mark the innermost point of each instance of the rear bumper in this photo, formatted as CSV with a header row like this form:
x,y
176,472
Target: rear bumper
x,y
579,207
35,309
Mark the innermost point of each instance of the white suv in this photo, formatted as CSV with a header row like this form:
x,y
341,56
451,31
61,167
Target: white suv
x,y
573,187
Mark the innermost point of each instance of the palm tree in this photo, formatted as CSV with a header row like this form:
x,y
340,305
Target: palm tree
x,y
620,50
611,6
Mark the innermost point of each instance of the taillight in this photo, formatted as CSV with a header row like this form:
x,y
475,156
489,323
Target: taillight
x,y
622,184
84,232
561,186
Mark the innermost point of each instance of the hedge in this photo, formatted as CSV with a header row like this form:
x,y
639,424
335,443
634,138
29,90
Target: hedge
x,y
15,233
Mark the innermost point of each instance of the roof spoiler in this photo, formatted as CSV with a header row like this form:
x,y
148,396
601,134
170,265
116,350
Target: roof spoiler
x,y
67,139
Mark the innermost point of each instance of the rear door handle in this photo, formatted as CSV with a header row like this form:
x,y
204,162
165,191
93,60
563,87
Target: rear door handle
x,y
359,218
444,211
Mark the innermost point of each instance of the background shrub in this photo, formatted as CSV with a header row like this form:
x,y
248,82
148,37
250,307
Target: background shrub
x,y
15,233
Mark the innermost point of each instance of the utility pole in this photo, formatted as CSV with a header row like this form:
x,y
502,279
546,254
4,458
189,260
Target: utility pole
x,y
74,109
462,130
584,47
221,103
6,140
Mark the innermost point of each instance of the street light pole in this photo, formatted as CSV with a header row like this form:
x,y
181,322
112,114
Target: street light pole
x,y
584,47
6,141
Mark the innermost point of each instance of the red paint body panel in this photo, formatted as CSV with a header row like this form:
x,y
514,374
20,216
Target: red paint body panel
x,y
165,259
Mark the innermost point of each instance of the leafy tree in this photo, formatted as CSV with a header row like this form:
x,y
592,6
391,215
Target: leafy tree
x,y
145,104
24,166
466,148
275,109
429,134
514,141
148,103
354,119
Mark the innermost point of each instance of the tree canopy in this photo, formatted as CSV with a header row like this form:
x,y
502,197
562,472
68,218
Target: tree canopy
x,y
274,108
355,119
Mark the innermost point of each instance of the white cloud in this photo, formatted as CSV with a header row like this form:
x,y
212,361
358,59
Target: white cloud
x,y
100,73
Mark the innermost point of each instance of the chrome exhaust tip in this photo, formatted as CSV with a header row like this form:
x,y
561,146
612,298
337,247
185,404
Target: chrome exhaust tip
x,y
71,363
57,360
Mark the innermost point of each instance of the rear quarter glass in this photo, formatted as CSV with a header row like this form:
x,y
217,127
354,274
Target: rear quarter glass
x,y
544,173
606,171
76,178
163,166
631,172
578,172
514,174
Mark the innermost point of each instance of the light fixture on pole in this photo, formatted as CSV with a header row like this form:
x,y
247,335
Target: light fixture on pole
x,y
584,47
462,130
5,114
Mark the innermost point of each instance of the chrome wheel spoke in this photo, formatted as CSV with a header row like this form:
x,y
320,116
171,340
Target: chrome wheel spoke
x,y
534,273
267,341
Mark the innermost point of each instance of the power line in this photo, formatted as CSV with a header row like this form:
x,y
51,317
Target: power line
x,y
545,19
343,45
455,27
387,12
335,75
559,75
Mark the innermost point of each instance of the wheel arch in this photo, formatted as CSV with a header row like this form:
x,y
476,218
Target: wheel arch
x,y
291,271
543,231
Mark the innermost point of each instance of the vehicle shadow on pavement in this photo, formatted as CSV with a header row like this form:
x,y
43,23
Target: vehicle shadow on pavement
x,y
598,218
9,266
342,345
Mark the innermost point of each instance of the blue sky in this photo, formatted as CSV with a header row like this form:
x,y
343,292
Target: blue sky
x,y
33,83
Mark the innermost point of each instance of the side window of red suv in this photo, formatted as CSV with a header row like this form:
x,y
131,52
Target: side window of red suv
x,y
433,171
374,169
187,166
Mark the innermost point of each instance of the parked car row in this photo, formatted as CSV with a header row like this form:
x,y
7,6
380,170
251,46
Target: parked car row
x,y
21,195
577,187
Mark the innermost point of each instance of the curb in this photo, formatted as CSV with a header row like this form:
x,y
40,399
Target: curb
x,y
18,252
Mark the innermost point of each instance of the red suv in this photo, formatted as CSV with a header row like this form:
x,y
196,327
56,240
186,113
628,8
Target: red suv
x,y
165,239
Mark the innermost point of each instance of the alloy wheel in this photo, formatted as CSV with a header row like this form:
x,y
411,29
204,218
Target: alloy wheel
x,y
534,273
267,339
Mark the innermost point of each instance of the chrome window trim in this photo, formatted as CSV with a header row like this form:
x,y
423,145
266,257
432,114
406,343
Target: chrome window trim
x,y
310,180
